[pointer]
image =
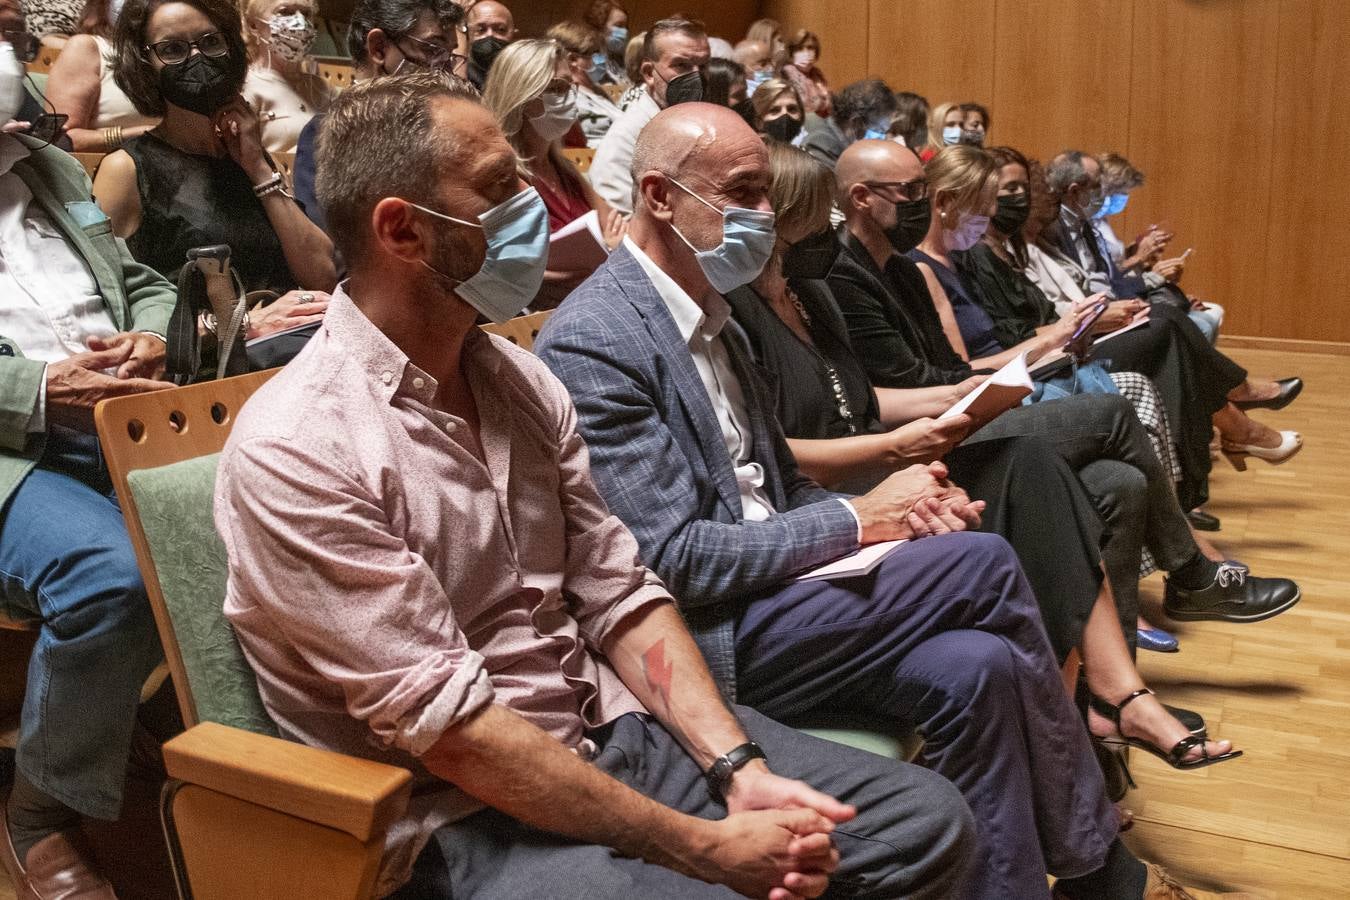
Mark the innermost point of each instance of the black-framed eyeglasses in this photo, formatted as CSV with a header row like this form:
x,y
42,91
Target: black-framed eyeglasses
x,y
25,44
433,55
910,190
173,51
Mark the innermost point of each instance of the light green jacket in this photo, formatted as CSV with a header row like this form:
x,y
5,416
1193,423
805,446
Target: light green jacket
x,y
137,297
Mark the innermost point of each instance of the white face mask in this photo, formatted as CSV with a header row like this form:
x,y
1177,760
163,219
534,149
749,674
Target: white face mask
x,y
11,84
558,115
804,59
290,37
951,134
967,234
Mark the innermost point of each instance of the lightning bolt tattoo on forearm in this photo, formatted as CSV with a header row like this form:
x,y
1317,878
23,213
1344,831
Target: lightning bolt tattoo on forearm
x,y
658,672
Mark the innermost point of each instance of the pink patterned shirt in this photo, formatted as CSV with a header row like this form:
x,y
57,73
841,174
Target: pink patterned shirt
x,y
386,584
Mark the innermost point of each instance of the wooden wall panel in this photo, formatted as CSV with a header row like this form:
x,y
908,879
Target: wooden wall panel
x,y
727,19
1061,76
1307,247
937,48
1200,128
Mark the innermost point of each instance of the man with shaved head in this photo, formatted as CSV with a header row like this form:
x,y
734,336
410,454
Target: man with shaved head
x,y
489,27
943,635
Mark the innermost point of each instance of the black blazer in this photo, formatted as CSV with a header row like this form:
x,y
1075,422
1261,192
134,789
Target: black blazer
x,y
891,320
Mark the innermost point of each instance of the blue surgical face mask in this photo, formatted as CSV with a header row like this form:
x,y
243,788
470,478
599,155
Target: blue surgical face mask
x,y
874,134
757,77
747,243
951,135
618,40
599,66
1114,205
517,254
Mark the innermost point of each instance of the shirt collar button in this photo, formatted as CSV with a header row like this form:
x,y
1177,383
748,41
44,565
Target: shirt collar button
x,y
387,377
419,383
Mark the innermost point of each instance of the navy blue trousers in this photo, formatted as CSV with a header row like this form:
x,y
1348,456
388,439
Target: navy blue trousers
x,y
944,636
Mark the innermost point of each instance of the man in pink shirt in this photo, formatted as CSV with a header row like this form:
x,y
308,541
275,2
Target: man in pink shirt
x,y
422,572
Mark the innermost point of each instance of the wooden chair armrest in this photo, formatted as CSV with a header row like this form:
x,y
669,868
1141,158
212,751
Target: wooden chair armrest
x,y
357,796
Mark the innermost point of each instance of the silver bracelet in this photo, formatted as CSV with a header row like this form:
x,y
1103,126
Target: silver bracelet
x,y
275,184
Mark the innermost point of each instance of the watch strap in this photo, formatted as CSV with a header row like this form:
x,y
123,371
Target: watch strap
x,y
719,774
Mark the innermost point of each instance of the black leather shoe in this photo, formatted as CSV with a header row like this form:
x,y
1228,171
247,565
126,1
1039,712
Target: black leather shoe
x,y
1203,521
1290,388
1234,596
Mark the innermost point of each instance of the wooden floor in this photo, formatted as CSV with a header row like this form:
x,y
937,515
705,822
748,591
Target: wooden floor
x,y
1276,822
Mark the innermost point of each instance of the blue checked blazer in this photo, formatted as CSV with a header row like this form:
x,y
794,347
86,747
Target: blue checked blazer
x,y
658,458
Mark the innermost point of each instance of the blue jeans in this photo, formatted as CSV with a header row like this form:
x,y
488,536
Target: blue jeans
x,y
66,560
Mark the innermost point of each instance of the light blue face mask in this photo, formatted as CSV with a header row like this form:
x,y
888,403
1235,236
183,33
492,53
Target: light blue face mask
x,y
747,243
618,40
1114,205
599,66
951,135
517,254
876,131
757,77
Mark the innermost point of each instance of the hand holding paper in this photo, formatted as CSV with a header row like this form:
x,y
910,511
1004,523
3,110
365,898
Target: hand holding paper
x,y
1005,389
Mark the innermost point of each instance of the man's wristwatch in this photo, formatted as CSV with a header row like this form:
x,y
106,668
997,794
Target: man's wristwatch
x,y
725,766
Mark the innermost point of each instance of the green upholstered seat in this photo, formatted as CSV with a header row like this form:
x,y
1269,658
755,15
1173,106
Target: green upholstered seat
x,y
175,503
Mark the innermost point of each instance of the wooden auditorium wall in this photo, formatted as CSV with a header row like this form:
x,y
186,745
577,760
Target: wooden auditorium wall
x,y
1238,111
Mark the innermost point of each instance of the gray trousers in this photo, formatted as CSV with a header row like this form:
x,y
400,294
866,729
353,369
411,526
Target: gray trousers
x,y
912,837
1102,439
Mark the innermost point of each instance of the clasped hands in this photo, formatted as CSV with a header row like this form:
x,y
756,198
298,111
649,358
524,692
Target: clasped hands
x,y
916,502
76,384
775,841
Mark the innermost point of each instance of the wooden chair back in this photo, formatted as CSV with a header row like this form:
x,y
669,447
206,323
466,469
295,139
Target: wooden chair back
x,y
522,330
145,431
581,157
46,58
90,161
615,91
337,72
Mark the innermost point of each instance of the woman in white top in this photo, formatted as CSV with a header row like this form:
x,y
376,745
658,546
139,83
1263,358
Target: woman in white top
x,y
585,60
100,117
283,84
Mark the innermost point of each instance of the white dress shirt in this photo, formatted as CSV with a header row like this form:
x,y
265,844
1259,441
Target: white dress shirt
x,y
50,304
611,171
702,332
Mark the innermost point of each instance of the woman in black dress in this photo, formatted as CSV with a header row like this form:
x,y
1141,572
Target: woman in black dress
x,y
833,422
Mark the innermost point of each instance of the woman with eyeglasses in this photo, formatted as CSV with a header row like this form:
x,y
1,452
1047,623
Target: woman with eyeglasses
x,y
99,115
202,176
586,65
530,91
283,84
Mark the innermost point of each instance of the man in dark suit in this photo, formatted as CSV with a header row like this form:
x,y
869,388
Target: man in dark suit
x,y
943,634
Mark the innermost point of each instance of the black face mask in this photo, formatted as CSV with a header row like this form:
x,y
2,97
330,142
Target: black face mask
x,y
783,128
686,88
200,83
811,257
1013,210
912,218
746,110
484,51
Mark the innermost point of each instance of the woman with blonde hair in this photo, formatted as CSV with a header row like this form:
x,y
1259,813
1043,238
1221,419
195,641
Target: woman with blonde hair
x,y
530,91
944,129
283,83
778,112
586,62
802,70
632,67
769,33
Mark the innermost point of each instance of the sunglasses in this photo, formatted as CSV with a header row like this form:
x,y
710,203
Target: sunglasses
x,y
175,50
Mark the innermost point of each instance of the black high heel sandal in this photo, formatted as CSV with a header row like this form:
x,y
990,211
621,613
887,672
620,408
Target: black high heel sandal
x,y
1175,757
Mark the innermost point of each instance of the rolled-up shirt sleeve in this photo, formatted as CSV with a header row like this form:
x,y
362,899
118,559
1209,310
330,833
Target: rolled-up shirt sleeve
x,y
605,581
313,552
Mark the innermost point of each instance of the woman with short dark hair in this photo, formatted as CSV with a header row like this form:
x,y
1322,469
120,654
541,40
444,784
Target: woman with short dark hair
x,y
201,176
